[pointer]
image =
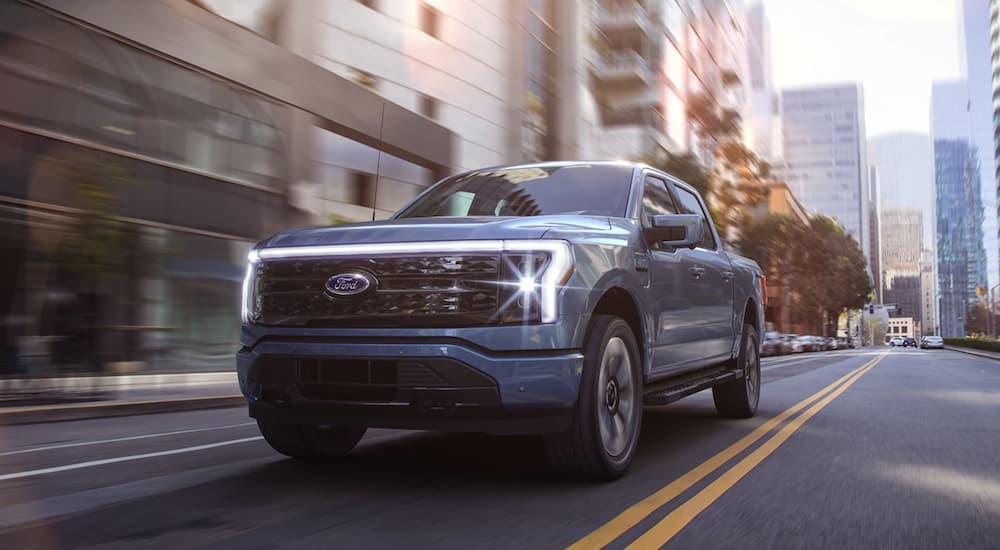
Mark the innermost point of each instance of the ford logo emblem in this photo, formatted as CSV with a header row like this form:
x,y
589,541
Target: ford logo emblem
x,y
349,284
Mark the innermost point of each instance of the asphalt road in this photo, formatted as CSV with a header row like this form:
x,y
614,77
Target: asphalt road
x,y
849,450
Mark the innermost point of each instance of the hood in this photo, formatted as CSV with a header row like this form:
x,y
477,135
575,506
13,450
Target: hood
x,y
437,229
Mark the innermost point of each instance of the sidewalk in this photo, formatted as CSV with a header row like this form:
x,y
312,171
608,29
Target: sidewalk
x,y
27,400
976,352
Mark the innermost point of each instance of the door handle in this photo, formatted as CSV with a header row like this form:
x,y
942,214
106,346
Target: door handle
x,y
696,272
728,276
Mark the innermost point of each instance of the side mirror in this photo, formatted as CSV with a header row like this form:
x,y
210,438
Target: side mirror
x,y
678,230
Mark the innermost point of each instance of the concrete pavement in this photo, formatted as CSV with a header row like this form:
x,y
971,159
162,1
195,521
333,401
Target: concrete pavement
x,y
903,454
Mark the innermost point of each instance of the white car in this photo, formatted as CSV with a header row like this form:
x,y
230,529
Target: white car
x,y
896,341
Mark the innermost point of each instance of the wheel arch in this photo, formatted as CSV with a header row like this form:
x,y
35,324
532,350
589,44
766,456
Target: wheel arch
x,y
618,301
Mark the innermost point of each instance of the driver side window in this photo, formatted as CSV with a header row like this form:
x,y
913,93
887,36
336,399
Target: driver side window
x,y
656,201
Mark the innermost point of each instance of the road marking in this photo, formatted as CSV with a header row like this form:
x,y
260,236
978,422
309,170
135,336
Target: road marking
x,y
117,439
663,531
642,509
92,463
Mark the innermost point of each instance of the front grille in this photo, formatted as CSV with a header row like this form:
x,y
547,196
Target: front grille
x,y
435,290
364,380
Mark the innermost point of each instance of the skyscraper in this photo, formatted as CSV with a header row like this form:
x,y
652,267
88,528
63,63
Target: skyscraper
x,y
902,236
765,105
825,154
961,256
977,70
875,232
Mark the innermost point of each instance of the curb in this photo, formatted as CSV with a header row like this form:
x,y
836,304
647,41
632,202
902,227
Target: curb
x,y
80,411
973,352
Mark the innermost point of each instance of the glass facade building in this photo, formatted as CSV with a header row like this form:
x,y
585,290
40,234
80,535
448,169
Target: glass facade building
x,y
961,257
134,181
825,154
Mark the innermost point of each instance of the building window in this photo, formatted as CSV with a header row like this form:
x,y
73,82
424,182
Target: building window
x,y
362,189
428,106
430,20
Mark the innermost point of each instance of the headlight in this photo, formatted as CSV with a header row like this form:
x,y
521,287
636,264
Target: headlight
x,y
533,274
248,288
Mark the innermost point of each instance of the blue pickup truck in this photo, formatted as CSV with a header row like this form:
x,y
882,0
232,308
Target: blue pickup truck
x,y
551,298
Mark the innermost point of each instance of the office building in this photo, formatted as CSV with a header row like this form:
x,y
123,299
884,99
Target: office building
x,y
825,161
905,163
961,258
995,61
928,291
648,58
902,327
875,233
765,102
976,34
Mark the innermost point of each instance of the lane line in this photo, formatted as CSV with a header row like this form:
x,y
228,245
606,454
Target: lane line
x,y
636,513
92,463
668,527
117,439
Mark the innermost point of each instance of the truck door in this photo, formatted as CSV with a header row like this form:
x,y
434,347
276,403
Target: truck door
x,y
678,337
712,275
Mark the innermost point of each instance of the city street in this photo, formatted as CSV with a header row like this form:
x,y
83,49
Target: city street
x,y
906,456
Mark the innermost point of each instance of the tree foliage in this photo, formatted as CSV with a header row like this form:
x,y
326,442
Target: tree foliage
x,y
823,264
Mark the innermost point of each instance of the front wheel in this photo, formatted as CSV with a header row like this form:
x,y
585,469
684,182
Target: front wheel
x,y
739,398
601,442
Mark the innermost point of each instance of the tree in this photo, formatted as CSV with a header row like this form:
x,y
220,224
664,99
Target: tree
x,y
823,267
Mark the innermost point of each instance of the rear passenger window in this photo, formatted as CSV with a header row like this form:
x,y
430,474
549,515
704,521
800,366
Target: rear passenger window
x,y
689,204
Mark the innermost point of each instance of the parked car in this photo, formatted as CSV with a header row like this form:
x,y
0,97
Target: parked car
x,y
932,342
772,344
792,344
525,299
909,342
788,344
832,344
896,341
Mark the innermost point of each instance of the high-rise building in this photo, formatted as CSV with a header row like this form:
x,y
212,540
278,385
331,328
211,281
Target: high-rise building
x,y
825,160
648,58
765,104
961,258
995,58
905,164
902,244
928,291
875,232
977,70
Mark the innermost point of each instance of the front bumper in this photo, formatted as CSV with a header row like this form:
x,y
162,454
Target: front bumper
x,y
443,383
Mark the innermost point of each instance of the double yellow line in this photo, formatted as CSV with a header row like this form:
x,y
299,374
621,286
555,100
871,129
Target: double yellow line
x,y
676,520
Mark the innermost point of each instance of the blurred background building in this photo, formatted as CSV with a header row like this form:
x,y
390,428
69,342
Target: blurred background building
x,y
825,154
975,50
648,57
902,239
961,258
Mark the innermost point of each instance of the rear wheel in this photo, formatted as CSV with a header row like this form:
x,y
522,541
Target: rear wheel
x,y
307,441
738,398
601,442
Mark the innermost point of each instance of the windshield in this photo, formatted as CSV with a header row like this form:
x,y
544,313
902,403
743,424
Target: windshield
x,y
594,189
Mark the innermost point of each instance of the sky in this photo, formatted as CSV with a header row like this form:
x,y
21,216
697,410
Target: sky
x,y
895,48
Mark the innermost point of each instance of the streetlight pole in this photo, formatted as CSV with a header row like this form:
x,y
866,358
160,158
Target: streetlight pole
x,y
989,314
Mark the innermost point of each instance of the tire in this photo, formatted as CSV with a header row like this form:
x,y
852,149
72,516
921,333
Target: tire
x,y
607,417
310,442
739,398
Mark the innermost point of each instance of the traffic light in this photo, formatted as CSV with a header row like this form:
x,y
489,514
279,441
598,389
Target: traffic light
x,y
871,309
